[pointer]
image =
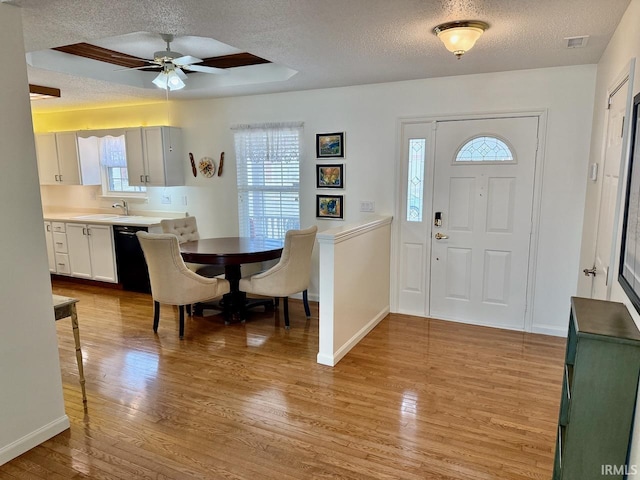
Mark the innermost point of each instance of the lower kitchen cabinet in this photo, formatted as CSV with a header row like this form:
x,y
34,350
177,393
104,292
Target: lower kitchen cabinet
x,y
57,252
91,252
600,382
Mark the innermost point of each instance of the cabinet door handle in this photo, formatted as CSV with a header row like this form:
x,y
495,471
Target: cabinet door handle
x,y
56,177
141,178
146,178
60,176
48,228
84,231
88,231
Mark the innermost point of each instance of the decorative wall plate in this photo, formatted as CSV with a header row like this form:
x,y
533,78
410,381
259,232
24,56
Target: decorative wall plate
x,y
207,167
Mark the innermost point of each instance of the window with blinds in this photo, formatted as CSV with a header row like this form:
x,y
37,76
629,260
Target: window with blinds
x,y
268,161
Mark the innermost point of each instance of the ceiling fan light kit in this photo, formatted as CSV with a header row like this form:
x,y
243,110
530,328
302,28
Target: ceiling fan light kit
x,y
459,37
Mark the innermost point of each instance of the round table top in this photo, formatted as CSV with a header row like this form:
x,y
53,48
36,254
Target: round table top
x,y
230,250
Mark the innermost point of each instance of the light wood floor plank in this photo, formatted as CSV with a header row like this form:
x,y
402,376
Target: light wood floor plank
x,y
416,399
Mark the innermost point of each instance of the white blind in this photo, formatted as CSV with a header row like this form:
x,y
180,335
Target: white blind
x,y
268,161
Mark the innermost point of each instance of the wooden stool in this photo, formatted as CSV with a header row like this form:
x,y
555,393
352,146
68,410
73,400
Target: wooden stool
x,y
66,307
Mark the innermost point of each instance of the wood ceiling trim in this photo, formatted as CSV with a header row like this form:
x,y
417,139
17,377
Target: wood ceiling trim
x,y
94,52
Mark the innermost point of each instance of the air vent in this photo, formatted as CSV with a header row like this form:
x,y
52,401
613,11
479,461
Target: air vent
x,y
577,42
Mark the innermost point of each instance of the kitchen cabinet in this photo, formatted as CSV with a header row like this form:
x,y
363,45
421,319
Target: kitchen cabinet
x,y
51,254
91,252
59,161
57,252
599,389
154,156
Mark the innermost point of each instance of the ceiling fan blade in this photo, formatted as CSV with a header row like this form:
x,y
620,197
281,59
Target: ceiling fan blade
x,y
180,74
186,60
128,57
144,67
201,68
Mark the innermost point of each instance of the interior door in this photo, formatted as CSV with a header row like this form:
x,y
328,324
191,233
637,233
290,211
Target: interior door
x,y
600,286
483,194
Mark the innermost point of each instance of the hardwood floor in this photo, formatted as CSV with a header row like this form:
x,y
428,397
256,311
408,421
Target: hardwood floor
x,y
416,399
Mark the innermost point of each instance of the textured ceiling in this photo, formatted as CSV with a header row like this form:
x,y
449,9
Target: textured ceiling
x,y
329,43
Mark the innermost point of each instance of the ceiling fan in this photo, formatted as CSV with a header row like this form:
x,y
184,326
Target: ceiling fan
x,y
172,65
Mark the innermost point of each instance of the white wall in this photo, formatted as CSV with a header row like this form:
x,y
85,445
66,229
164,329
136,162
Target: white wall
x,y
31,403
624,46
369,114
354,285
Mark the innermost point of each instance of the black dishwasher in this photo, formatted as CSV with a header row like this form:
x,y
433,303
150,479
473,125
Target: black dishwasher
x,y
132,267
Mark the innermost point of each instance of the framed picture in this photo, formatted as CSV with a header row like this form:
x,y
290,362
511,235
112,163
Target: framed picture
x,y
329,206
330,145
629,272
330,176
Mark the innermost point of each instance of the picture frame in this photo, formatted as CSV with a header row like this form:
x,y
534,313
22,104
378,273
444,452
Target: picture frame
x,y
330,206
330,145
330,176
629,270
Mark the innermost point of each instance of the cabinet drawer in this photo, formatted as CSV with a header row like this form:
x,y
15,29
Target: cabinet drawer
x,y
62,263
60,242
58,227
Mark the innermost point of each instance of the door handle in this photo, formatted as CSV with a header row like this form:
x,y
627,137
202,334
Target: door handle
x,y
440,236
589,271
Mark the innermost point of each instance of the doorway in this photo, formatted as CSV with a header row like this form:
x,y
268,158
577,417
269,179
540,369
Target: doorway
x,y
466,219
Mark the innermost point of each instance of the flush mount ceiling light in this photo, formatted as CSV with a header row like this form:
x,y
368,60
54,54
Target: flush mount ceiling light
x,y
38,92
460,37
170,78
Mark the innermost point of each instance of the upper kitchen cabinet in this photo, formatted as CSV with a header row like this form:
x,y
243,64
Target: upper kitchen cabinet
x,y
154,156
59,162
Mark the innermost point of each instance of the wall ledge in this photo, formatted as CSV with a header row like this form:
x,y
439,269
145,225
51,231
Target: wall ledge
x,y
340,234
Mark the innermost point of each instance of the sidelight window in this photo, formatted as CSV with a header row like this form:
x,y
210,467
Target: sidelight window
x,y
415,179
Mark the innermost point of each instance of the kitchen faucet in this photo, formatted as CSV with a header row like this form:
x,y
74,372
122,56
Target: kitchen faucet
x,y
123,205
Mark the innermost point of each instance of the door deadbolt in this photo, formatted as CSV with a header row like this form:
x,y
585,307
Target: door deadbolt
x,y
589,271
437,221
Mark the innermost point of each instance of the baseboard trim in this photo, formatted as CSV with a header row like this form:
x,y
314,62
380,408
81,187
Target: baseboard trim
x,y
33,439
332,360
549,330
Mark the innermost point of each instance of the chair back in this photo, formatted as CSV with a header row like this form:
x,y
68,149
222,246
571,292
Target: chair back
x,y
296,258
186,228
168,273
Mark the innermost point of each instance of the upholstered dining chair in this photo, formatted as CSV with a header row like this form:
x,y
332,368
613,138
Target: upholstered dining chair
x,y
172,283
186,229
290,275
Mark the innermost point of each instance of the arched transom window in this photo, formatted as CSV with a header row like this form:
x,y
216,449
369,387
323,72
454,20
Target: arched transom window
x,y
485,149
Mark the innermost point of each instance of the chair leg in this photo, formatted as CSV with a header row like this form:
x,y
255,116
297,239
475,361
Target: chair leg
x,y
285,300
189,309
156,315
276,302
181,308
305,301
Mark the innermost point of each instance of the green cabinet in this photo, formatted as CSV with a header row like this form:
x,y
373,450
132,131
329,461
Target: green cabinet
x,y
599,391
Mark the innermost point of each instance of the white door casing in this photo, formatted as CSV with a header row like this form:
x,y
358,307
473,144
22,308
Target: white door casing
x,y
479,273
612,156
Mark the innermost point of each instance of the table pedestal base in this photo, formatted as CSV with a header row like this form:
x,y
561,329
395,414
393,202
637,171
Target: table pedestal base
x,y
234,305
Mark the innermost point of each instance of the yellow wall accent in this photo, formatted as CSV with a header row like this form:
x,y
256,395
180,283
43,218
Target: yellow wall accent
x,y
97,118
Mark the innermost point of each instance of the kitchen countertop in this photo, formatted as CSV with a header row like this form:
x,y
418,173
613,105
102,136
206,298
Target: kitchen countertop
x,y
104,219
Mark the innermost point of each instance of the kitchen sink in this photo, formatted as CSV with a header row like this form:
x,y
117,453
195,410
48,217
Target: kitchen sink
x,y
97,216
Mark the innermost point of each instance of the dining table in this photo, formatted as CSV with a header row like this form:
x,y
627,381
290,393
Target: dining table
x,y
232,253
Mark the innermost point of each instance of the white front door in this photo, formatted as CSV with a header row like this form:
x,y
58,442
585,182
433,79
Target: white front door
x,y
601,283
483,194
